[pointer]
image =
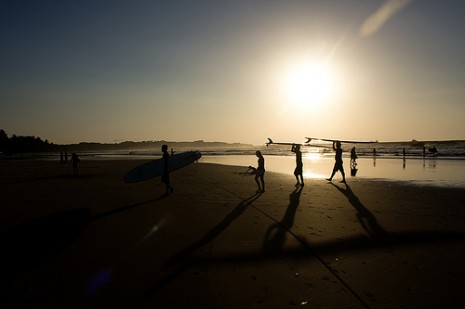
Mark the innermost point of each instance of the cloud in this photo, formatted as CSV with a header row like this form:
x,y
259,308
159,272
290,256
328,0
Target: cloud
x,y
373,23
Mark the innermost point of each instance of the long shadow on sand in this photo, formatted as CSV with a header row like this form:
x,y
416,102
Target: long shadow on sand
x,y
275,236
53,177
377,237
29,244
364,216
183,259
122,209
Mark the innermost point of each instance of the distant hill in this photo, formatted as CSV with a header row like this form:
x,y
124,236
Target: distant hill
x,y
31,144
151,145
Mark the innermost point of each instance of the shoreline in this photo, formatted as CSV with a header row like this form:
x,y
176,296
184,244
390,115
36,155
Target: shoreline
x,y
95,241
416,171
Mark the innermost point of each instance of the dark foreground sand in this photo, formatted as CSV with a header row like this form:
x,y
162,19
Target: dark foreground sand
x,y
96,242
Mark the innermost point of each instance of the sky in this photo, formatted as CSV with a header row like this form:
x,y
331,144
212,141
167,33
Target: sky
x,y
233,71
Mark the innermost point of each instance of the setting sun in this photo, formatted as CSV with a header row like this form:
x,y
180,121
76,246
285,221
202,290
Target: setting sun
x,y
308,84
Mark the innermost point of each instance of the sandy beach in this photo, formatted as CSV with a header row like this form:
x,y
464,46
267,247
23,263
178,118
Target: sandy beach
x,y
95,241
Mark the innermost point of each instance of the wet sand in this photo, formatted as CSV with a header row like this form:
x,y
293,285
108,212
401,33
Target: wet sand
x,y
95,241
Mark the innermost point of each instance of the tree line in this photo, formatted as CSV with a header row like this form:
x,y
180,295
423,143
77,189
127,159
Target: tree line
x,y
22,144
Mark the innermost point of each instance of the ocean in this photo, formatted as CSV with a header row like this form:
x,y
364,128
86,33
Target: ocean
x,y
421,171
438,163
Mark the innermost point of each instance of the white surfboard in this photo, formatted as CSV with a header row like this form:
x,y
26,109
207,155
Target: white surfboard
x,y
271,142
154,168
309,139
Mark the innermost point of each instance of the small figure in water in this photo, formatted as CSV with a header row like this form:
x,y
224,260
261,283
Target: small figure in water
x,y
353,157
75,163
433,150
298,172
260,172
165,177
353,162
338,166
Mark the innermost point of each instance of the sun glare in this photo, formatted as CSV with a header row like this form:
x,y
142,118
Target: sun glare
x,y
308,84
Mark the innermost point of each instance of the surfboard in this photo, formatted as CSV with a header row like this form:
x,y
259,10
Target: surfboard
x,y
309,139
270,142
154,168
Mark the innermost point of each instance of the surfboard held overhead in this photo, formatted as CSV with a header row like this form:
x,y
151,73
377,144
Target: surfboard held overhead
x,y
271,142
309,139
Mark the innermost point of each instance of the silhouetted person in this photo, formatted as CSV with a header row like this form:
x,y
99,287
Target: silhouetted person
x,y
75,163
298,172
353,156
62,159
353,162
260,172
338,166
66,156
165,177
403,152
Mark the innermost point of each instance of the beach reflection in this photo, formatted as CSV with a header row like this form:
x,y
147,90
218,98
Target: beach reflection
x,y
430,171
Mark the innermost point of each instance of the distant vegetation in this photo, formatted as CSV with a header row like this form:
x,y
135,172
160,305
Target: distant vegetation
x,y
31,144
128,145
22,144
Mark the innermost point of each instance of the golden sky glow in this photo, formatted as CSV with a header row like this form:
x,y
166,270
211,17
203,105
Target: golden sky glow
x,y
234,71
308,84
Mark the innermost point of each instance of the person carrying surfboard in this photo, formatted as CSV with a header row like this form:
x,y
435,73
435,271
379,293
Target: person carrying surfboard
x,y
338,166
260,172
165,177
298,172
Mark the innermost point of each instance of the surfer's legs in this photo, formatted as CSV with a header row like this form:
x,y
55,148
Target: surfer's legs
x,y
300,180
343,175
169,189
332,174
165,178
259,179
298,173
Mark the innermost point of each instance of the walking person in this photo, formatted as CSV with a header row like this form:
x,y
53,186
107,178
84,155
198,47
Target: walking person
x,y
75,164
338,166
260,172
165,177
298,172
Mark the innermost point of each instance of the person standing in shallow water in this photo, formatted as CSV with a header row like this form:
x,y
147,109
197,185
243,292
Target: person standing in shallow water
x,y
338,166
165,177
260,172
353,157
299,169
